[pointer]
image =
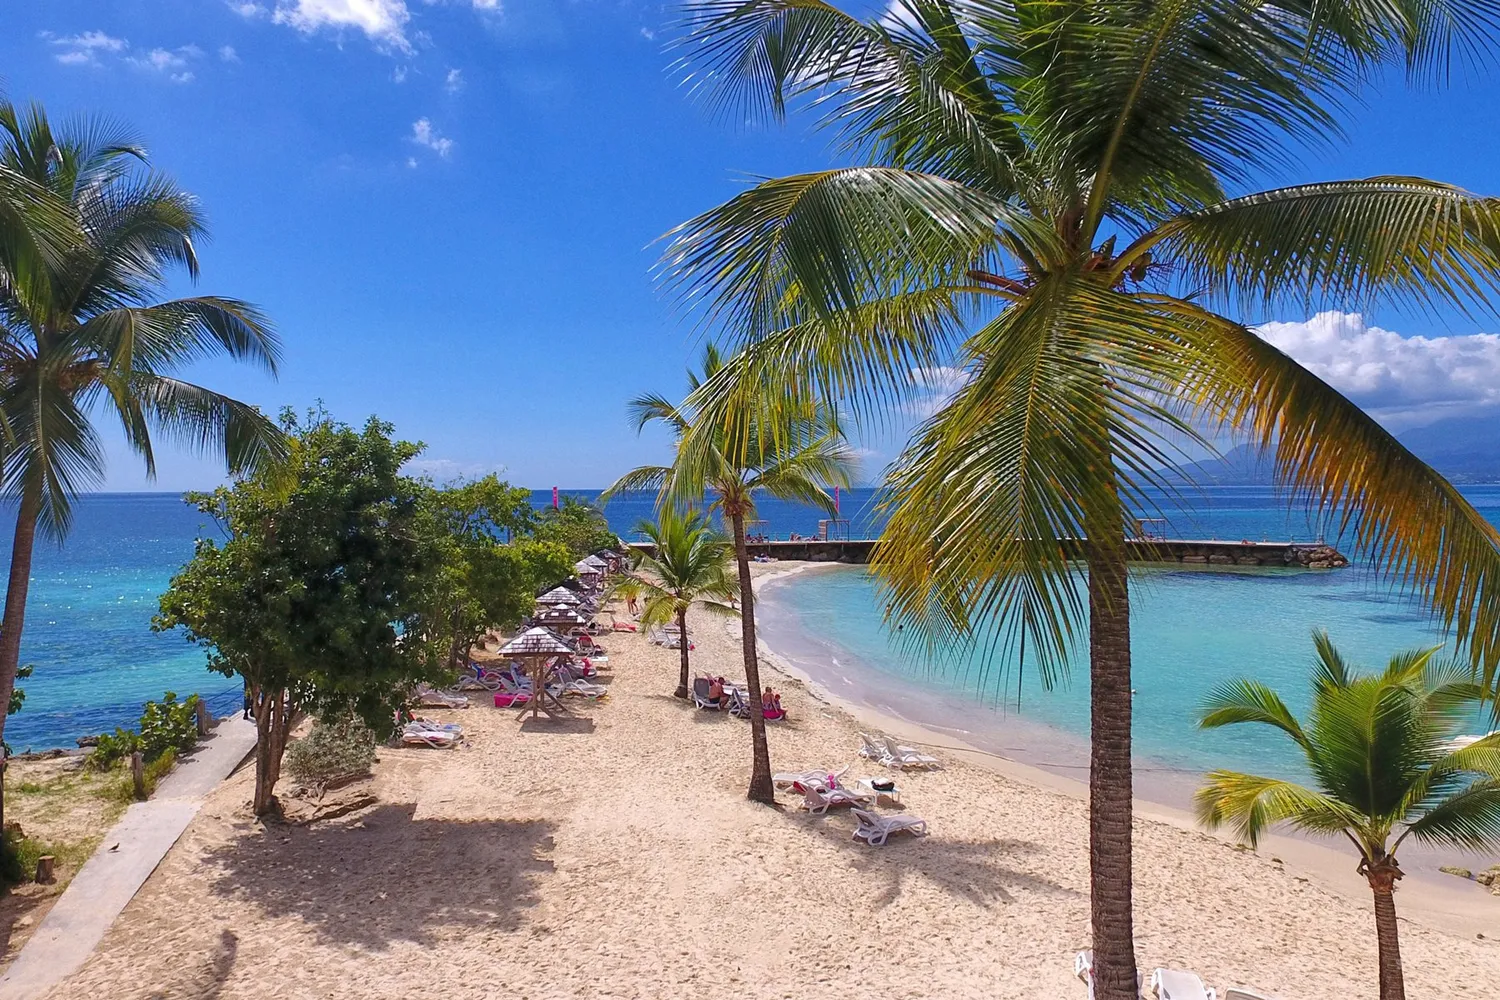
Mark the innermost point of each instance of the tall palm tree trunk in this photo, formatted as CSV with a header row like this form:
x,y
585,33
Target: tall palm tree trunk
x,y
1110,785
682,679
15,604
1382,877
761,789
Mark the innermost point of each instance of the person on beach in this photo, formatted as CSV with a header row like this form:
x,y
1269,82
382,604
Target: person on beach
x,y
770,704
716,692
249,701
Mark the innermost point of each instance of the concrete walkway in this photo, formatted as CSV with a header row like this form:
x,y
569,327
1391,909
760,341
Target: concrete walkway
x,y
127,857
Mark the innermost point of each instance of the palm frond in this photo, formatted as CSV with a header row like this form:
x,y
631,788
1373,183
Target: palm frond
x,y
1251,805
1250,701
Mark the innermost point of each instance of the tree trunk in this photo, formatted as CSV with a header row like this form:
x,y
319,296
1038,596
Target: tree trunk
x,y
15,606
1110,786
273,723
761,789
1382,876
682,678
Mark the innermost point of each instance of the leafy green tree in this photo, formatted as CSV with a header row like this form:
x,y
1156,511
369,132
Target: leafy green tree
x,y
1045,201
1385,762
482,582
324,569
579,526
795,455
82,329
688,567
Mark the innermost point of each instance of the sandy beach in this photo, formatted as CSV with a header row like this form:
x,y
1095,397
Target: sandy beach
x,y
614,855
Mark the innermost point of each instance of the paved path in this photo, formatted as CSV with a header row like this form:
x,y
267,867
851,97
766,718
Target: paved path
x,y
127,857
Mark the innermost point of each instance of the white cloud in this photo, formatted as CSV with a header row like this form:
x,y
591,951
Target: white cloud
x,y
648,34
938,385
85,49
444,470
227,54
183,77
382,21
493,5
399,74
247,9
159,59
411,161
455,81
423,134
1402,381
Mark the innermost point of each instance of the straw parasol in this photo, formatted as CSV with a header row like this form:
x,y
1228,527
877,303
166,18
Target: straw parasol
x,y
534,648
559,595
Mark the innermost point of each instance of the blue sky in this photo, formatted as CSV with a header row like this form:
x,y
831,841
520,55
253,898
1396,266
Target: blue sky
x,y
449,209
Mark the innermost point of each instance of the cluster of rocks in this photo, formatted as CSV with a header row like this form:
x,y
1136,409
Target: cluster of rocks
x,y
1245,553
1489,877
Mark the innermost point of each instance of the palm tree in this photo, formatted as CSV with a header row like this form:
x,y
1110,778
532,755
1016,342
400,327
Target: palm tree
x,y
795,458
1385,760
81,331
1045,204
687,567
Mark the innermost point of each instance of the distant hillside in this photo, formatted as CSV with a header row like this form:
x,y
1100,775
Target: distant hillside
x,y
1466,450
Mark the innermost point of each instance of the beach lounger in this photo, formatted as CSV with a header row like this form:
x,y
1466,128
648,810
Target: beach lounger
x,y
1240,993
426,696
794,780
578,689
437,739
504,699
434,727
908,756
818,798
875,829
873,749
1175,984
700,695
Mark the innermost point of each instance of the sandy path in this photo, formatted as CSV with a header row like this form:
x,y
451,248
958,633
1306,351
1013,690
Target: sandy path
x,y
615,856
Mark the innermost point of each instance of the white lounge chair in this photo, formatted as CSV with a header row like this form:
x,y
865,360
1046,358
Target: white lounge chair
x,y
873,749
788,780
875,829
578,689
905,757
422,725
1175,984
1240,993
817,798
437,739
428,696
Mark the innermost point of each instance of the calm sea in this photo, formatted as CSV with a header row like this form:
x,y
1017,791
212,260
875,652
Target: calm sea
x,y
92,598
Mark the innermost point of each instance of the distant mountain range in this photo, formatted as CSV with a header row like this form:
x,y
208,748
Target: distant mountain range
x,y
1466,450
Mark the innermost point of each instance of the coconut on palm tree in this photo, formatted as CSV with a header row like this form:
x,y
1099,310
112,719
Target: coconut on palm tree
x,y
83,332
797,456
1048,205
686,567
1385,763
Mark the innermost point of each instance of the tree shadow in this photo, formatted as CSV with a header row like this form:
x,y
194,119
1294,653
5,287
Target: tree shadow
x,y
562,724
389,877
975,870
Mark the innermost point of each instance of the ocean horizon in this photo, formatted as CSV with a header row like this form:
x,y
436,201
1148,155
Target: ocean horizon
x,y
97,661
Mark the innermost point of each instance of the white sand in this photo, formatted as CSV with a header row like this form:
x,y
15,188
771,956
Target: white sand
x,y
615,856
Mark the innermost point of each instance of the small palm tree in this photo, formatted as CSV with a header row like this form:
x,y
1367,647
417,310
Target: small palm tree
x,y
82,330
688,566
1385,762
797,458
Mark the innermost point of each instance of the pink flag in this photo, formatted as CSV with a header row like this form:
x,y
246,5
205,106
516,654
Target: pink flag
x,y
835,501
554,498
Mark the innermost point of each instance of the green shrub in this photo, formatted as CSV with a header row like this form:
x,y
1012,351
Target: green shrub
x,y
166,725
123,787
334,750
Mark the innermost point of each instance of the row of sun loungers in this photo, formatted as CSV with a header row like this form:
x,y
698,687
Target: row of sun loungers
x,y
1166,984
438,735
885,750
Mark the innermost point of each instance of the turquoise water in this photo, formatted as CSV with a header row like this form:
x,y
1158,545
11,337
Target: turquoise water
x,y
1193,629
97,660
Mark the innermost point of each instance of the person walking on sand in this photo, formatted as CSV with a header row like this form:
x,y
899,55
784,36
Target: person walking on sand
x,y
249,703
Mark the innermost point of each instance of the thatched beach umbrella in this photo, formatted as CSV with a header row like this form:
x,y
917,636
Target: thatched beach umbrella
x,y
559,596
534,648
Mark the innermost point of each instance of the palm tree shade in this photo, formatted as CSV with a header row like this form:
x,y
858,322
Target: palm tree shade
x,y
82,331
797,458
687,567
1044,199
1385,764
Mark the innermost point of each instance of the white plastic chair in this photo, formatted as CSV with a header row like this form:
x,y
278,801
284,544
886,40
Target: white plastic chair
x,y
908,756
1083,968
1176,984
788,780
873,749
875,829
817,798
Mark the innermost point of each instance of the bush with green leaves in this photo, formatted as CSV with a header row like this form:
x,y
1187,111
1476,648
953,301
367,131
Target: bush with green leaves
x,y
334,750
166,725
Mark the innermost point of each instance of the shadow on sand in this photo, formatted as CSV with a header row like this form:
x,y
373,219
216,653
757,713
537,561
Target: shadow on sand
x,y
976,870
389,877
